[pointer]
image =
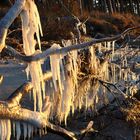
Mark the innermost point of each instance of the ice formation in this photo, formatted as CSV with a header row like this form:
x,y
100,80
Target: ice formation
x,y
30,27
67,94
5,129
25,130
70,85
56,63
64,81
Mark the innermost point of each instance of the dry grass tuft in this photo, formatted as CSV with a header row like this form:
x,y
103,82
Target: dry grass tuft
x,y
133,114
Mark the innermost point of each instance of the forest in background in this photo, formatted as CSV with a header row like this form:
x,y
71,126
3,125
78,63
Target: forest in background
x,y
99,19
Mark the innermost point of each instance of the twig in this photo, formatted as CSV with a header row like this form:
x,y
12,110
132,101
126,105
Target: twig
x,y
109,83
112,92
86,130
16,30
1,79
64,6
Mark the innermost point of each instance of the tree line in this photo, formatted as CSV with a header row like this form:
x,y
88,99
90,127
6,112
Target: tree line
x,y
112,6
108,6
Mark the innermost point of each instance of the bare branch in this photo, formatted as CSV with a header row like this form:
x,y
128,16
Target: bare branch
x,y
115,86
8,19
64,50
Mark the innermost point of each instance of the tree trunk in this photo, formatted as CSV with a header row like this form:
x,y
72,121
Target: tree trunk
x,y
114,5
121,3
109,5
131,9
118,6
138,6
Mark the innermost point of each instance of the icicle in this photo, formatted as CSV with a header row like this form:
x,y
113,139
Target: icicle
x,y
75,67
45,130
86,100
55,67
40,132
30,130
27,72
67,97
8,126
113,49
114,74
4,129
93,61
31,26
18,130
125,75
14,128
108,45
0,130
125,61
99,47
120,73
25,130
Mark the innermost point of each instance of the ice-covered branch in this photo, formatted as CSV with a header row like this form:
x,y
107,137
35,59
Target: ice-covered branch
x,y
8,19
37,119
17,113
64,50
11,109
